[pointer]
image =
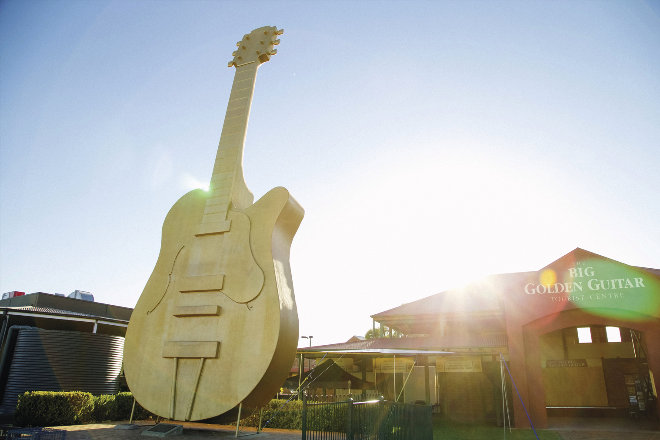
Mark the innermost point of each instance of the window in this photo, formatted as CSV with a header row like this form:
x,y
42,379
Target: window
x,y
613,334
584,335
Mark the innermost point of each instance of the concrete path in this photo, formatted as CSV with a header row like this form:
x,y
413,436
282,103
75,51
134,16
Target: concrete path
x,y
609,435
597,429
604,428
117,431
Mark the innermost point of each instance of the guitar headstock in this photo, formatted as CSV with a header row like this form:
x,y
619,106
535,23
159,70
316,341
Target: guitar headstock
x,y
257,46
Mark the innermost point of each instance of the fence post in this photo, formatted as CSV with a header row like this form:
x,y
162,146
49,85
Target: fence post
x,y
349,419
381,418
304,417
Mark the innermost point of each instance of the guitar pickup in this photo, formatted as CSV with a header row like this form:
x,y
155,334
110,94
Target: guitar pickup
x,y
191,349
203,283
185,311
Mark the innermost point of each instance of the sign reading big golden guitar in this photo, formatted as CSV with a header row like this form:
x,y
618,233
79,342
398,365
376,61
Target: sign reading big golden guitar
x,y
216,325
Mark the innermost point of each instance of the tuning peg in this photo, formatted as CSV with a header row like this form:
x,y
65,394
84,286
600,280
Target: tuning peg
x,y
272,52
276,42
238,44
231,63
234,53
279,32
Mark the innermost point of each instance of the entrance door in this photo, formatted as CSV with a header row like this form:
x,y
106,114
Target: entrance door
x,y
623,378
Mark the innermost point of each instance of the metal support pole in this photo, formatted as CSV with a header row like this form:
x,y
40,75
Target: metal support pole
x,y
349,419
300,373
238,419
427,387
364,379
304,418
261,415
394,375
132,412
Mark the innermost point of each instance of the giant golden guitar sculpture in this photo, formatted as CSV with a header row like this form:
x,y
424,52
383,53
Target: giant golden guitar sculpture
x,y
216,325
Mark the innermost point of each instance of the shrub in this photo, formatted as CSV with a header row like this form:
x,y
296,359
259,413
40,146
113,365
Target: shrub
x,y
277,414
104,408
48,408
113,407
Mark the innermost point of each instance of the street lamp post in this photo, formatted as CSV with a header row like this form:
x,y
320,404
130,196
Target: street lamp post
x,y
310,344
310,361
308,337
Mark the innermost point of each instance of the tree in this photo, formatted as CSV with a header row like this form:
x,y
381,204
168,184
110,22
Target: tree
x,y
382,331
374,333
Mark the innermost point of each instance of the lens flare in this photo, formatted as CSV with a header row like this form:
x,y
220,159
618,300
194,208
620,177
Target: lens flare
x,y
615,290
548,277
189,182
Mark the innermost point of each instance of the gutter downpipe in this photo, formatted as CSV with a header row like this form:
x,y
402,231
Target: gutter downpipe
x,y
3,332
6,355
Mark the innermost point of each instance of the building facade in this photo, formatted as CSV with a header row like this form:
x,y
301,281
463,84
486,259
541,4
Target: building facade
x,y
578,337
52,343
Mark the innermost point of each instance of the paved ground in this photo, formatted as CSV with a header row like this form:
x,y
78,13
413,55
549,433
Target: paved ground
x,y
587,429
605,429
114,431
609,435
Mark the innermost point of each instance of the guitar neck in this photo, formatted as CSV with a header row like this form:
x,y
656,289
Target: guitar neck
x,y
227,188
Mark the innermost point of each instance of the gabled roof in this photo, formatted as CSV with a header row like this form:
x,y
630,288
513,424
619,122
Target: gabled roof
x,y
482,297
51,312
579,254
327,375
47,301
470,299
413,343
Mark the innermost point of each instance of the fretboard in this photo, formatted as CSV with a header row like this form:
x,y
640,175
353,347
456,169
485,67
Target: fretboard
x,y
227,187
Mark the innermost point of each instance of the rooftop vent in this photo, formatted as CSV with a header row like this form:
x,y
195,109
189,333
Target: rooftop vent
x,y
82,294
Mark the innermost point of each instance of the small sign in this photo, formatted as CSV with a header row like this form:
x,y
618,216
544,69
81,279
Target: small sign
x,y
565,363
459,364
393,365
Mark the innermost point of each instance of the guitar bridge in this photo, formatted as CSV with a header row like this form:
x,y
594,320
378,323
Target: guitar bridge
x,y
191,349
200,284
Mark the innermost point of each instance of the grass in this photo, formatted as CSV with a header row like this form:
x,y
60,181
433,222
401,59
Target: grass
x,y
444,430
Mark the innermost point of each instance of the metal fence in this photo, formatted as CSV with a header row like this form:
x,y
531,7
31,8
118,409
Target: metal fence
x,y
371,420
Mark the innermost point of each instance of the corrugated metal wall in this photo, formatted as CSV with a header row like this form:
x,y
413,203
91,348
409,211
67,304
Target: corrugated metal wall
x,y
56,360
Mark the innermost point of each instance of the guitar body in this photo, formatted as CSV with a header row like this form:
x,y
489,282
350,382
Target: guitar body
x,y
216,324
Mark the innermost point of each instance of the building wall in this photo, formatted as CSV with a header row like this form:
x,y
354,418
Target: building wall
x,y
56,360
468,397
585,289
575,386
582,381
526,348
416,385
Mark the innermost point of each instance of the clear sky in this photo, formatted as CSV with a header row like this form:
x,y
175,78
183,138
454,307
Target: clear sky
x,y
430,142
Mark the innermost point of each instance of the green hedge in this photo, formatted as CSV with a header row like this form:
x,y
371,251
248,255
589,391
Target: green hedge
x,y
112,407
48,408
277,414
